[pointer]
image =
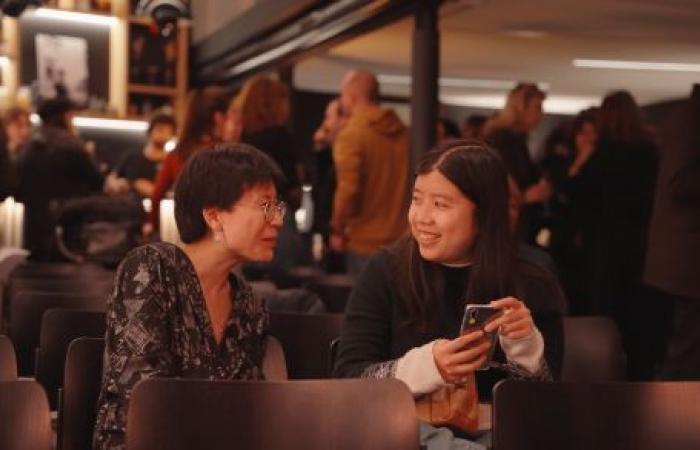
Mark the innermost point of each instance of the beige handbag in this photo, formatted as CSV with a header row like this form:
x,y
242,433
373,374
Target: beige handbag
x,y
454,405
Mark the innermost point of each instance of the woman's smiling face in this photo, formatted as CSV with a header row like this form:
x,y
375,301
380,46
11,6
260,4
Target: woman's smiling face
x,y
442,220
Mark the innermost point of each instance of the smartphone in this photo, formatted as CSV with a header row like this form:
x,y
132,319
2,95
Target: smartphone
x,y
475,318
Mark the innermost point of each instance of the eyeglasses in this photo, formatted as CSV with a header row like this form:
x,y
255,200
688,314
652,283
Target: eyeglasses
x,y
274,210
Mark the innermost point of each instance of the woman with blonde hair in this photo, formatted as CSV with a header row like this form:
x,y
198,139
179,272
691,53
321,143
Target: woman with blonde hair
x,y
507,132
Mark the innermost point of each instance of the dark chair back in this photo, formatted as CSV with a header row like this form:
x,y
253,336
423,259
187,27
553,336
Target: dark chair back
x,y
59,327
26,312
604,416
81,389
334,290
306,339
309,415
8,360
58,270
592,350
25,421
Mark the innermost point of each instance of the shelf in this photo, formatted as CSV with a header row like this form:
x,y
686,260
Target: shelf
x,y
152,89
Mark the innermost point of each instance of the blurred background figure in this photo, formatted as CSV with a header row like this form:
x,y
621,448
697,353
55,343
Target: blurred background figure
x,y
264,107
567,150
371,158
508,132
136,171
613,192
673,255
210,118
15,132
55,166
447,129
334,120
473,127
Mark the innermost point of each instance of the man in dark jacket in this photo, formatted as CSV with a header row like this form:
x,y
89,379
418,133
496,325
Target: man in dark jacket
x,y
54,166
673,254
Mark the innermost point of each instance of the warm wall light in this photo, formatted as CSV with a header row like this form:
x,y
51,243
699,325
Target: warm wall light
x,y
111,124
140,126
4,60
635,65
72,16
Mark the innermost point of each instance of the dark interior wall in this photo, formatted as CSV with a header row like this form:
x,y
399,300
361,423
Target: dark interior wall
x,y
96,35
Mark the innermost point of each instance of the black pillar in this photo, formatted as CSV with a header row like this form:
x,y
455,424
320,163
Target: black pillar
x,y
425,72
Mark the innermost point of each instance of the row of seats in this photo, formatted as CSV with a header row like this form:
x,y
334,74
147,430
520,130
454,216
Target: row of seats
x,y
592,350
372,414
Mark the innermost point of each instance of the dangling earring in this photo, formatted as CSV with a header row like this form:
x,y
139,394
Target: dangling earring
x,y
218,236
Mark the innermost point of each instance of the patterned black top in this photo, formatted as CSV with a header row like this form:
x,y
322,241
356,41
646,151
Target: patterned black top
x,y
158,326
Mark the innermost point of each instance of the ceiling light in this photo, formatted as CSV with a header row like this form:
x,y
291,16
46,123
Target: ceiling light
x,y
635,65
553,104
473,83
73,16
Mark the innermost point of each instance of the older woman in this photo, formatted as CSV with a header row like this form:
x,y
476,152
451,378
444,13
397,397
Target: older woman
x,y
181,312
403,317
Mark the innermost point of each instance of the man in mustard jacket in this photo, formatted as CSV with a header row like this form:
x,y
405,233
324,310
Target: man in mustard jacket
x,y
371,157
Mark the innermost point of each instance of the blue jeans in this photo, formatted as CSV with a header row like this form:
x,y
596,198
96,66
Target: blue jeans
x,y
442,438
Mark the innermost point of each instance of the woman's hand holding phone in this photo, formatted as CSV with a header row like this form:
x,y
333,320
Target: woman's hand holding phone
x,y
457,358
515,322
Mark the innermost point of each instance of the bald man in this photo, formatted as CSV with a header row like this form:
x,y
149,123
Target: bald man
x,y
371,157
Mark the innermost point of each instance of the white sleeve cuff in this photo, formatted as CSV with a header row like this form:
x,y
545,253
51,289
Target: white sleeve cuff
x,y
526,352
418,370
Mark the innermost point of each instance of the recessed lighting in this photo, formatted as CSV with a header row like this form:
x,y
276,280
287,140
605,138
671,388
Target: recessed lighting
x,y
635,65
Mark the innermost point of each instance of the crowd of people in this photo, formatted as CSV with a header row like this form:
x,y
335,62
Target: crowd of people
x,y
480,222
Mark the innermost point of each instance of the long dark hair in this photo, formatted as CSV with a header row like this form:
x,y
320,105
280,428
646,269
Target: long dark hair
x,y
620,118
198,126
478,172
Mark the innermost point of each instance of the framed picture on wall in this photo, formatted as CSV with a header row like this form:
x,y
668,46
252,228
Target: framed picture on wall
x,y
62,67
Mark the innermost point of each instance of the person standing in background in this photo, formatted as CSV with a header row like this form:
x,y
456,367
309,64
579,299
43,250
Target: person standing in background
x,y
264,107
613,193
54,166
334,120
210,118
507,132
16,130
673,255
136,171
371,160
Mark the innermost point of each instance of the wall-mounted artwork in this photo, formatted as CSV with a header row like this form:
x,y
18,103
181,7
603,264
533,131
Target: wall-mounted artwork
x,y
62,67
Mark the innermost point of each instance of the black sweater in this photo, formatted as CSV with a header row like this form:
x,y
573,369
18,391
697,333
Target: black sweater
x,y
376,328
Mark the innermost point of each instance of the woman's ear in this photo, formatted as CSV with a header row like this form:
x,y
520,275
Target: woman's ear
x,y
212,217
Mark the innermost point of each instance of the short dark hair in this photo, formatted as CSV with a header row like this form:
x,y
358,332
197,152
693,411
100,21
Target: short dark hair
x,y
161,119
52,111
217,177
